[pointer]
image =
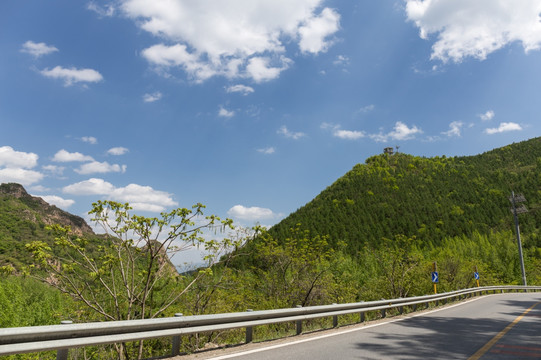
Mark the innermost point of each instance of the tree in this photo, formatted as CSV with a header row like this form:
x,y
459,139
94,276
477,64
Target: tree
x,y
127,273
295,271
399,266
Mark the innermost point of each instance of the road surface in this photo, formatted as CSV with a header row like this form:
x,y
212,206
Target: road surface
x,y
502,326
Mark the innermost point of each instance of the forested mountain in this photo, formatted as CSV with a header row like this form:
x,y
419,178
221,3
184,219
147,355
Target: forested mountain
x,y
23,219
429,198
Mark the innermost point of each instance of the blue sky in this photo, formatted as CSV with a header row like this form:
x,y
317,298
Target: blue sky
x,y
252,107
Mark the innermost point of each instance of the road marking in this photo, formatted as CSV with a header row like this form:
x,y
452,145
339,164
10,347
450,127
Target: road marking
x,y
498,336
248,352
518,351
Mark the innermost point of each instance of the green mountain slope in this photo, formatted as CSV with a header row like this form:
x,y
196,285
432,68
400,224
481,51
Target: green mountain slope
x,y
23,219
429,198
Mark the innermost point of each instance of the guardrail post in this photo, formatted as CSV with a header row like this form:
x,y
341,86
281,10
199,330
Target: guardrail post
x,y
176,341
249,331
400,310
383,313
62,354
299,323
414,307
334,319
362,317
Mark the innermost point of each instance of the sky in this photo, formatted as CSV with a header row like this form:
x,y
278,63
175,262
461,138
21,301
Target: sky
x,y
252,107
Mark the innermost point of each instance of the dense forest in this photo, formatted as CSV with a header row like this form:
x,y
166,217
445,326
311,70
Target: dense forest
x,y
375,233
429,198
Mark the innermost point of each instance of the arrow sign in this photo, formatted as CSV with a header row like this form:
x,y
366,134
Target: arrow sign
x,y
476,275
435,277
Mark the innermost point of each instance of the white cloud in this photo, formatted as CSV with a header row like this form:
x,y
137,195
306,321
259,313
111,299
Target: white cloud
x,y
17,159
140,197
137,194
73,75
147,207
103,11
54,169
15,165
367,108
234,38
454,129
489,115
314,32
267,151
91,186
401,132
65,156
342,134
117,151
90,139
290,135
260,68
504,127
469,28
58,201
152,97
341,60
348,134
100,167
225,113
37,49
22,176
177,55
250,213
243,89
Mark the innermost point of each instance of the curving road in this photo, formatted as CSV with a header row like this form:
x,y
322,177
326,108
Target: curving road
x,y
503,326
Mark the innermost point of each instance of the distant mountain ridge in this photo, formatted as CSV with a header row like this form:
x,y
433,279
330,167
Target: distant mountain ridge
x,y
23,219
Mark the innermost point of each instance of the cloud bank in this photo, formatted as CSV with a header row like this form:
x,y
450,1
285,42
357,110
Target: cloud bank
x,y
467,28
15,166
142,198
235,38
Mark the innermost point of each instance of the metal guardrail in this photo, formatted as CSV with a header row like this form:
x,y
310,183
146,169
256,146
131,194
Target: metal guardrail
x,y
66,336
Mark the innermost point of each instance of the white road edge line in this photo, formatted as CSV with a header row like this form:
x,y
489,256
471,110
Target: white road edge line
x,y
248,352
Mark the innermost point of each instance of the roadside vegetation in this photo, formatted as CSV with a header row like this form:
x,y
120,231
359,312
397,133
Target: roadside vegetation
x,y
375,233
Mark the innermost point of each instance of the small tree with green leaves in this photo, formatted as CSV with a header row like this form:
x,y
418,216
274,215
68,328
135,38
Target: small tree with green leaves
x,y
296,271
127,273
399,267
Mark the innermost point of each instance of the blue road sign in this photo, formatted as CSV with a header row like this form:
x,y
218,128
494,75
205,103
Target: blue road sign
x,y
476,275
435,278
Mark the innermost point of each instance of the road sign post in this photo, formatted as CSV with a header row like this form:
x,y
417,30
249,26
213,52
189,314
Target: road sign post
x,y
522,209
476,276
435,277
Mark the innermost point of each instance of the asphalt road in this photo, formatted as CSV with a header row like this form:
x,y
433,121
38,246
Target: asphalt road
x,y
490,327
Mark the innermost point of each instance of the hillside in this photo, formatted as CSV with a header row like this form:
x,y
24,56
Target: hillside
x,y
23,219
429,198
